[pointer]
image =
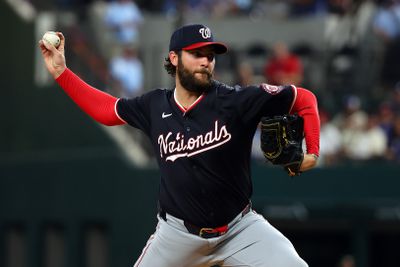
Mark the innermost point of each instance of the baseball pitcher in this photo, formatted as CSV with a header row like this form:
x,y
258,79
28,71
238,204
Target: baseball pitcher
x,y
201,131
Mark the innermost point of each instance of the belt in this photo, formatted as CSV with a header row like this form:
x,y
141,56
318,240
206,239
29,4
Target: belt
x,y
206,232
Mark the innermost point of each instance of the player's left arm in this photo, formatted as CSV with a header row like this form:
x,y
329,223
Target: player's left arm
x,y
305,105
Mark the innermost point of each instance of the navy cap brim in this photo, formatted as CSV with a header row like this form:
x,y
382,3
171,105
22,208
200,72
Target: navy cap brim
x,y
219,48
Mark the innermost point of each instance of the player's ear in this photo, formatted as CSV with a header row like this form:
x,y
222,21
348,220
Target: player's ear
x,y
173,57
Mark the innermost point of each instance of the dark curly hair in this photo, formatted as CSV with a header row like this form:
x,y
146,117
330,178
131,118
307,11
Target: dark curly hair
x,y
169,67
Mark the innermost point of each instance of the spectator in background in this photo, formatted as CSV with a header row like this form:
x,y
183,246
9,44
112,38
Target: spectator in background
x,y
221,8
386,21
358,133
365,141
127,73
394,100
188,8
393,152
347,46
124,18
307,7
386,26
212,8
348,23
273,9
375,139
283,67
352,116
347,261
174,7
386,117
388,111
245,74
330,141
243,6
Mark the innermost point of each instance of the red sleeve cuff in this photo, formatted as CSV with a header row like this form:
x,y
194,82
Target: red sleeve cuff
x,y
63,74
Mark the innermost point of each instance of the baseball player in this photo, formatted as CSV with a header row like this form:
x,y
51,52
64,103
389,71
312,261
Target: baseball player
x,y
201,132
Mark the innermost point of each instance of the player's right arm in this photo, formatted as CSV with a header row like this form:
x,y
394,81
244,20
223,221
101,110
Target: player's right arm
x,y
97,104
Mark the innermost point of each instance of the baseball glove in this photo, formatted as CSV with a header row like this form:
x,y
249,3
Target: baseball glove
x,y
281,141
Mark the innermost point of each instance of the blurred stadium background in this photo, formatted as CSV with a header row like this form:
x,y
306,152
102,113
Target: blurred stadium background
x,y
76,194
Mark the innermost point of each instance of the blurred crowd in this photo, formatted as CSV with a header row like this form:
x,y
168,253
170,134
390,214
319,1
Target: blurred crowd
x,y
214,8
354,134
360,101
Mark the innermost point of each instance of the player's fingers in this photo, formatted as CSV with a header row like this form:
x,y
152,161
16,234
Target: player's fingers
x,y
42,47
49,46
62,39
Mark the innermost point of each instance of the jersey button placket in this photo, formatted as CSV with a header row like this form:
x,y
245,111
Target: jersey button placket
x,y
186,126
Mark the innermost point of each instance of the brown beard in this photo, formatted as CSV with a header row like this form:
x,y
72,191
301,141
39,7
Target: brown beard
x,y
189,81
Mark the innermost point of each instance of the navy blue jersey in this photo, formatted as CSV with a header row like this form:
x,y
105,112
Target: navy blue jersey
x,y
204,152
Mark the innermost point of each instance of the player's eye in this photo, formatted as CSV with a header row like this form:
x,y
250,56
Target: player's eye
x,y
210,57
197,54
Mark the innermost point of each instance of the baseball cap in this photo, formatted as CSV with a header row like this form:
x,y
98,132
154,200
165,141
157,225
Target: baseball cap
x,y
194,36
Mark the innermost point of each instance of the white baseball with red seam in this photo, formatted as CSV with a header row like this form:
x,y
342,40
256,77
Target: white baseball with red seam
x,y
52,38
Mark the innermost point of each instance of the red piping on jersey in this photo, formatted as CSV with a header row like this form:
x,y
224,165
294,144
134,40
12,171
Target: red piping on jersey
x,y
144,251
305,104
97,104
182,108
294,98
116,112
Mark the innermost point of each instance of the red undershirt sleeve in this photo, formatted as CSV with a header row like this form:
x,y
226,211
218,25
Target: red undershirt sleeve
x,y
97,104
305,104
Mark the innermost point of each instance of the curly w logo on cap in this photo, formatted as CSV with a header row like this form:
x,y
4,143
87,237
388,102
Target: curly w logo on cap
x,y
205,32
194,36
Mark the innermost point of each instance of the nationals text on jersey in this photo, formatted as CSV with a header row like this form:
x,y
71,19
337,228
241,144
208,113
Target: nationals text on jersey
x,y
179,147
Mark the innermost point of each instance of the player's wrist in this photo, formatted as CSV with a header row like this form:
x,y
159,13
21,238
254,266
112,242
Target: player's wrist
x,y
58,71
309,162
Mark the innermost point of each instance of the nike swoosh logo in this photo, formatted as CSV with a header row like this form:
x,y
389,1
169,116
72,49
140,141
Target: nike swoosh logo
x,y
163,115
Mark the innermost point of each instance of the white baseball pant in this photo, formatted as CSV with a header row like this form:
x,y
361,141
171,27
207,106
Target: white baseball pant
x,y
251,241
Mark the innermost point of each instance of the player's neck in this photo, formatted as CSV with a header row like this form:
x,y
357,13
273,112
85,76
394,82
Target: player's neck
x,y
184,97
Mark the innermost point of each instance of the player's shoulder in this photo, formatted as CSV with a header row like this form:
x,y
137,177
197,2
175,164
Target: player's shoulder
x,y
149,98
221,87
224,89
160,91
275,89
157,94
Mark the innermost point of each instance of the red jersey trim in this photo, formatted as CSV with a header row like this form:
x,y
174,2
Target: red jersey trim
x,y
182,108
294,97
116,111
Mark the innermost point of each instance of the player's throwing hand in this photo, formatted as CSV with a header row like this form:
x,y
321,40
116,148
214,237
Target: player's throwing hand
x,y
54,58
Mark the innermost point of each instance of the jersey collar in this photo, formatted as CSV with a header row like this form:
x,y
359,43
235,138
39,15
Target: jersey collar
x,y
182,108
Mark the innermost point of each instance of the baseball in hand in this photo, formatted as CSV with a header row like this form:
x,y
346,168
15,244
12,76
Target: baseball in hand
x,y
52,38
